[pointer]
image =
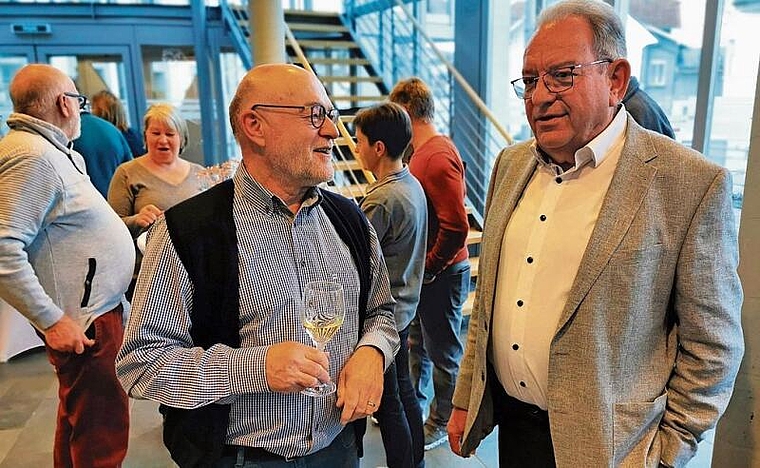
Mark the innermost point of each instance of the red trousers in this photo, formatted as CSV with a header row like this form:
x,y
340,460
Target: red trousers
x,y
92,429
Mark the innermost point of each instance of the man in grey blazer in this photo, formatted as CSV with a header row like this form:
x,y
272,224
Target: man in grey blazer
x,y
606,326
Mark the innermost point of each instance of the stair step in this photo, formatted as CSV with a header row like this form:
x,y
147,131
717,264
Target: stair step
x,y
350,79
333,61
350,191
317,15
341,141
358,98
327,44
347,165
317,27
474,237
474,265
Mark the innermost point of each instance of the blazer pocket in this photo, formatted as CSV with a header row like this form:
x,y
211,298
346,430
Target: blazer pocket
x,y
635,427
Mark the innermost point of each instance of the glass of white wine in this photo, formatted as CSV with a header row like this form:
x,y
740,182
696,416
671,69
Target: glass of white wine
x,y
322,315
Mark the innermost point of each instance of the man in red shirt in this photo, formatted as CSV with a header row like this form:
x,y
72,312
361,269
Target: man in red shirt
x,y
435,347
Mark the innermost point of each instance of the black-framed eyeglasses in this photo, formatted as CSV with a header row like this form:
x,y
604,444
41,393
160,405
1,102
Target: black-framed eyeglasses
x,y
79,97
317,112
556,81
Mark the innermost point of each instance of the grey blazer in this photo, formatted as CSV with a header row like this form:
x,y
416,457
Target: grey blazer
x,y
646,351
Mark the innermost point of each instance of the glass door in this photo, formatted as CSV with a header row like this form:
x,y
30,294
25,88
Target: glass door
x,y
11,60
95,69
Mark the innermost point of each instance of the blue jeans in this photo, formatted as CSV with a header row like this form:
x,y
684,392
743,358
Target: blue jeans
x,y
400,415
435,347
341,453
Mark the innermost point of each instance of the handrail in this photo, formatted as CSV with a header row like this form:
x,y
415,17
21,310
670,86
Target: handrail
x,y
347,137
458,76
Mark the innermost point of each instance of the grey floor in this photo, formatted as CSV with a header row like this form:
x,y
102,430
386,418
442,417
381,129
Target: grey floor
x,y
27,413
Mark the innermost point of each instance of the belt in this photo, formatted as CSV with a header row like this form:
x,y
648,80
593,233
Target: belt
x,y
252,453
518,407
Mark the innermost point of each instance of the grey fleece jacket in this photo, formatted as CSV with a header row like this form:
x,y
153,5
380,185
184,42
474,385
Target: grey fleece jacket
x,y
62,247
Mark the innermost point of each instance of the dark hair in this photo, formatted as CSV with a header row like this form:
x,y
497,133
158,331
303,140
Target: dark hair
x,y
389,123
416,98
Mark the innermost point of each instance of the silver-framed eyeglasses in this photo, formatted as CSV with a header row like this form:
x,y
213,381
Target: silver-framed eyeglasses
x,y
556,80
317,112
83,101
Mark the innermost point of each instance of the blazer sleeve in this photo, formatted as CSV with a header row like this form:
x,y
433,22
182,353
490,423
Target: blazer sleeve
x,y
707,299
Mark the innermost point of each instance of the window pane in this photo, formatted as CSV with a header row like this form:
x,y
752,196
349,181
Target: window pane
x,y
170,77
664,46
734,94
9,65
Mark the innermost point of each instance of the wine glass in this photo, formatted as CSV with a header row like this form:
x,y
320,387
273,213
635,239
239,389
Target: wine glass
x,y
322,316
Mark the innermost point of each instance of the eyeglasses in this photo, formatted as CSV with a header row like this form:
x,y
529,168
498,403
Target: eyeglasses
x,y
79,97
556,81
317,112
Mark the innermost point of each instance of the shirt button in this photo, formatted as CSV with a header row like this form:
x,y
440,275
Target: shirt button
x,y
522,384
558,180
520,303
515,346
530,259
542,217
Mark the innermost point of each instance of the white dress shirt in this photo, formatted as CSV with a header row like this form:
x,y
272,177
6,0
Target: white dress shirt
x,y
543,244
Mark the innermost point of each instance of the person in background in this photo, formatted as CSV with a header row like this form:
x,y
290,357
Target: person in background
x,y
434,336
606,329
103,148
645,110
397,209
64,264
108,107
142,189
228,352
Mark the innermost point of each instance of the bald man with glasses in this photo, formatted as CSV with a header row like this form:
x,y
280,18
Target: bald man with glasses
x,y
606,328
65,262
216,335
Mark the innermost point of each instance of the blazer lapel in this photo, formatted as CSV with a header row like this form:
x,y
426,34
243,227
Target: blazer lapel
x,y
627,190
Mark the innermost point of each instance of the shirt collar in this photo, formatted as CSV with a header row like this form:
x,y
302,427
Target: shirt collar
x,y
267,202
393,176
594,152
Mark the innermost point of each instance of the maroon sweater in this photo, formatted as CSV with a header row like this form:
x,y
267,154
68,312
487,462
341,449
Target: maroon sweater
x,y
438,167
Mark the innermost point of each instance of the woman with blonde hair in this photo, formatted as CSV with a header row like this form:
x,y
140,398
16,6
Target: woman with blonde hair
x,y
143,188
108,107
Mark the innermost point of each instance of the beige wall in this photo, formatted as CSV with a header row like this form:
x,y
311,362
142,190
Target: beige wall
x,y
737,441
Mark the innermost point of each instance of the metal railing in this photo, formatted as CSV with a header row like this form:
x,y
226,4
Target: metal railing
x,y
397,44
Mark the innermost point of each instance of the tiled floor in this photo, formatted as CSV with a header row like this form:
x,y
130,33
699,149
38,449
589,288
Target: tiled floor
x,y
27,412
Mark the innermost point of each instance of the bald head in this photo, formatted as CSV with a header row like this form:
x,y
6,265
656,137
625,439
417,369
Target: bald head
x,y
35,89
271,84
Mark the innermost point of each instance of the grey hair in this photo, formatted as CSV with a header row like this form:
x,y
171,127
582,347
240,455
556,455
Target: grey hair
x,y
607,28
167,114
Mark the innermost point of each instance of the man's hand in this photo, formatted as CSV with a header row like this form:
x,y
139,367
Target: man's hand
x,y
66,336
291,366
455,429
147,216
360,384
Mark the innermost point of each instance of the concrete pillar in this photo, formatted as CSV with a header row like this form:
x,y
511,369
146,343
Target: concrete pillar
x,y
267,26
737,440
